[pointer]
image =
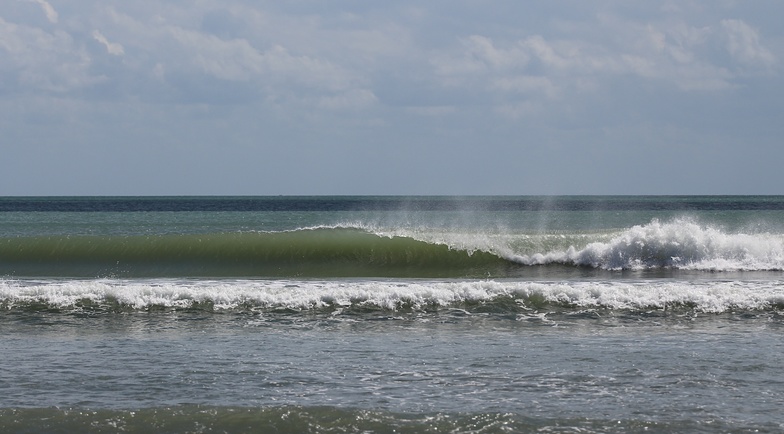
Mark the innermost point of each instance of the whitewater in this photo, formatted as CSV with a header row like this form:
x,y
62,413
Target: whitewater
x,y
703,295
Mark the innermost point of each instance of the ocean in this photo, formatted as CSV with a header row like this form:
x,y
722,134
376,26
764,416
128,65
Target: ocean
x,y
392,314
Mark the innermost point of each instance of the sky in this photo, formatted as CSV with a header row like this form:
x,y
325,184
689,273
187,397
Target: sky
x,y
350,97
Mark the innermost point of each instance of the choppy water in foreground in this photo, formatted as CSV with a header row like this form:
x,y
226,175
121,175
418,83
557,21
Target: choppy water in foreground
x,y
346,314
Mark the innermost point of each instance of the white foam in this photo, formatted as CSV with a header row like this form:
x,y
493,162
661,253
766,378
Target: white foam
x,y
702,295
679,244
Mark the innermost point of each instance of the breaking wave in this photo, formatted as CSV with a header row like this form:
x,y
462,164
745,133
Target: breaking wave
x,y
358,251
705,295
680,244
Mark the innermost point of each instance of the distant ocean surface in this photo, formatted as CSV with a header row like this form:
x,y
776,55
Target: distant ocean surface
x,y
392,314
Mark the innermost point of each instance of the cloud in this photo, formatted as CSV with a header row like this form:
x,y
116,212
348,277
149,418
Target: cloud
x,y
111,48
666,53
36,59
674,54
49,11
196,64
281,75
743,43
520,85
334,58
234,60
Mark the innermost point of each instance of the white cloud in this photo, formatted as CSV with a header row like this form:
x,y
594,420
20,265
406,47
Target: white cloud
x,y
483,50
669,53
676,54
49,11
336,58
744,44
336,76
46,61
235,59
307,70
528,67
111,48
550,55
276,70
480,55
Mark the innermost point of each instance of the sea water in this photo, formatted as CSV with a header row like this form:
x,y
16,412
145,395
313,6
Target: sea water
x,y
392,314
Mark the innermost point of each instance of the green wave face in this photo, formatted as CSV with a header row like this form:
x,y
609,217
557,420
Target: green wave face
x,y
302,253
298,419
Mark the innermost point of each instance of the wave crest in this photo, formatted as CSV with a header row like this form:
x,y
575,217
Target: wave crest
x,y
680,244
